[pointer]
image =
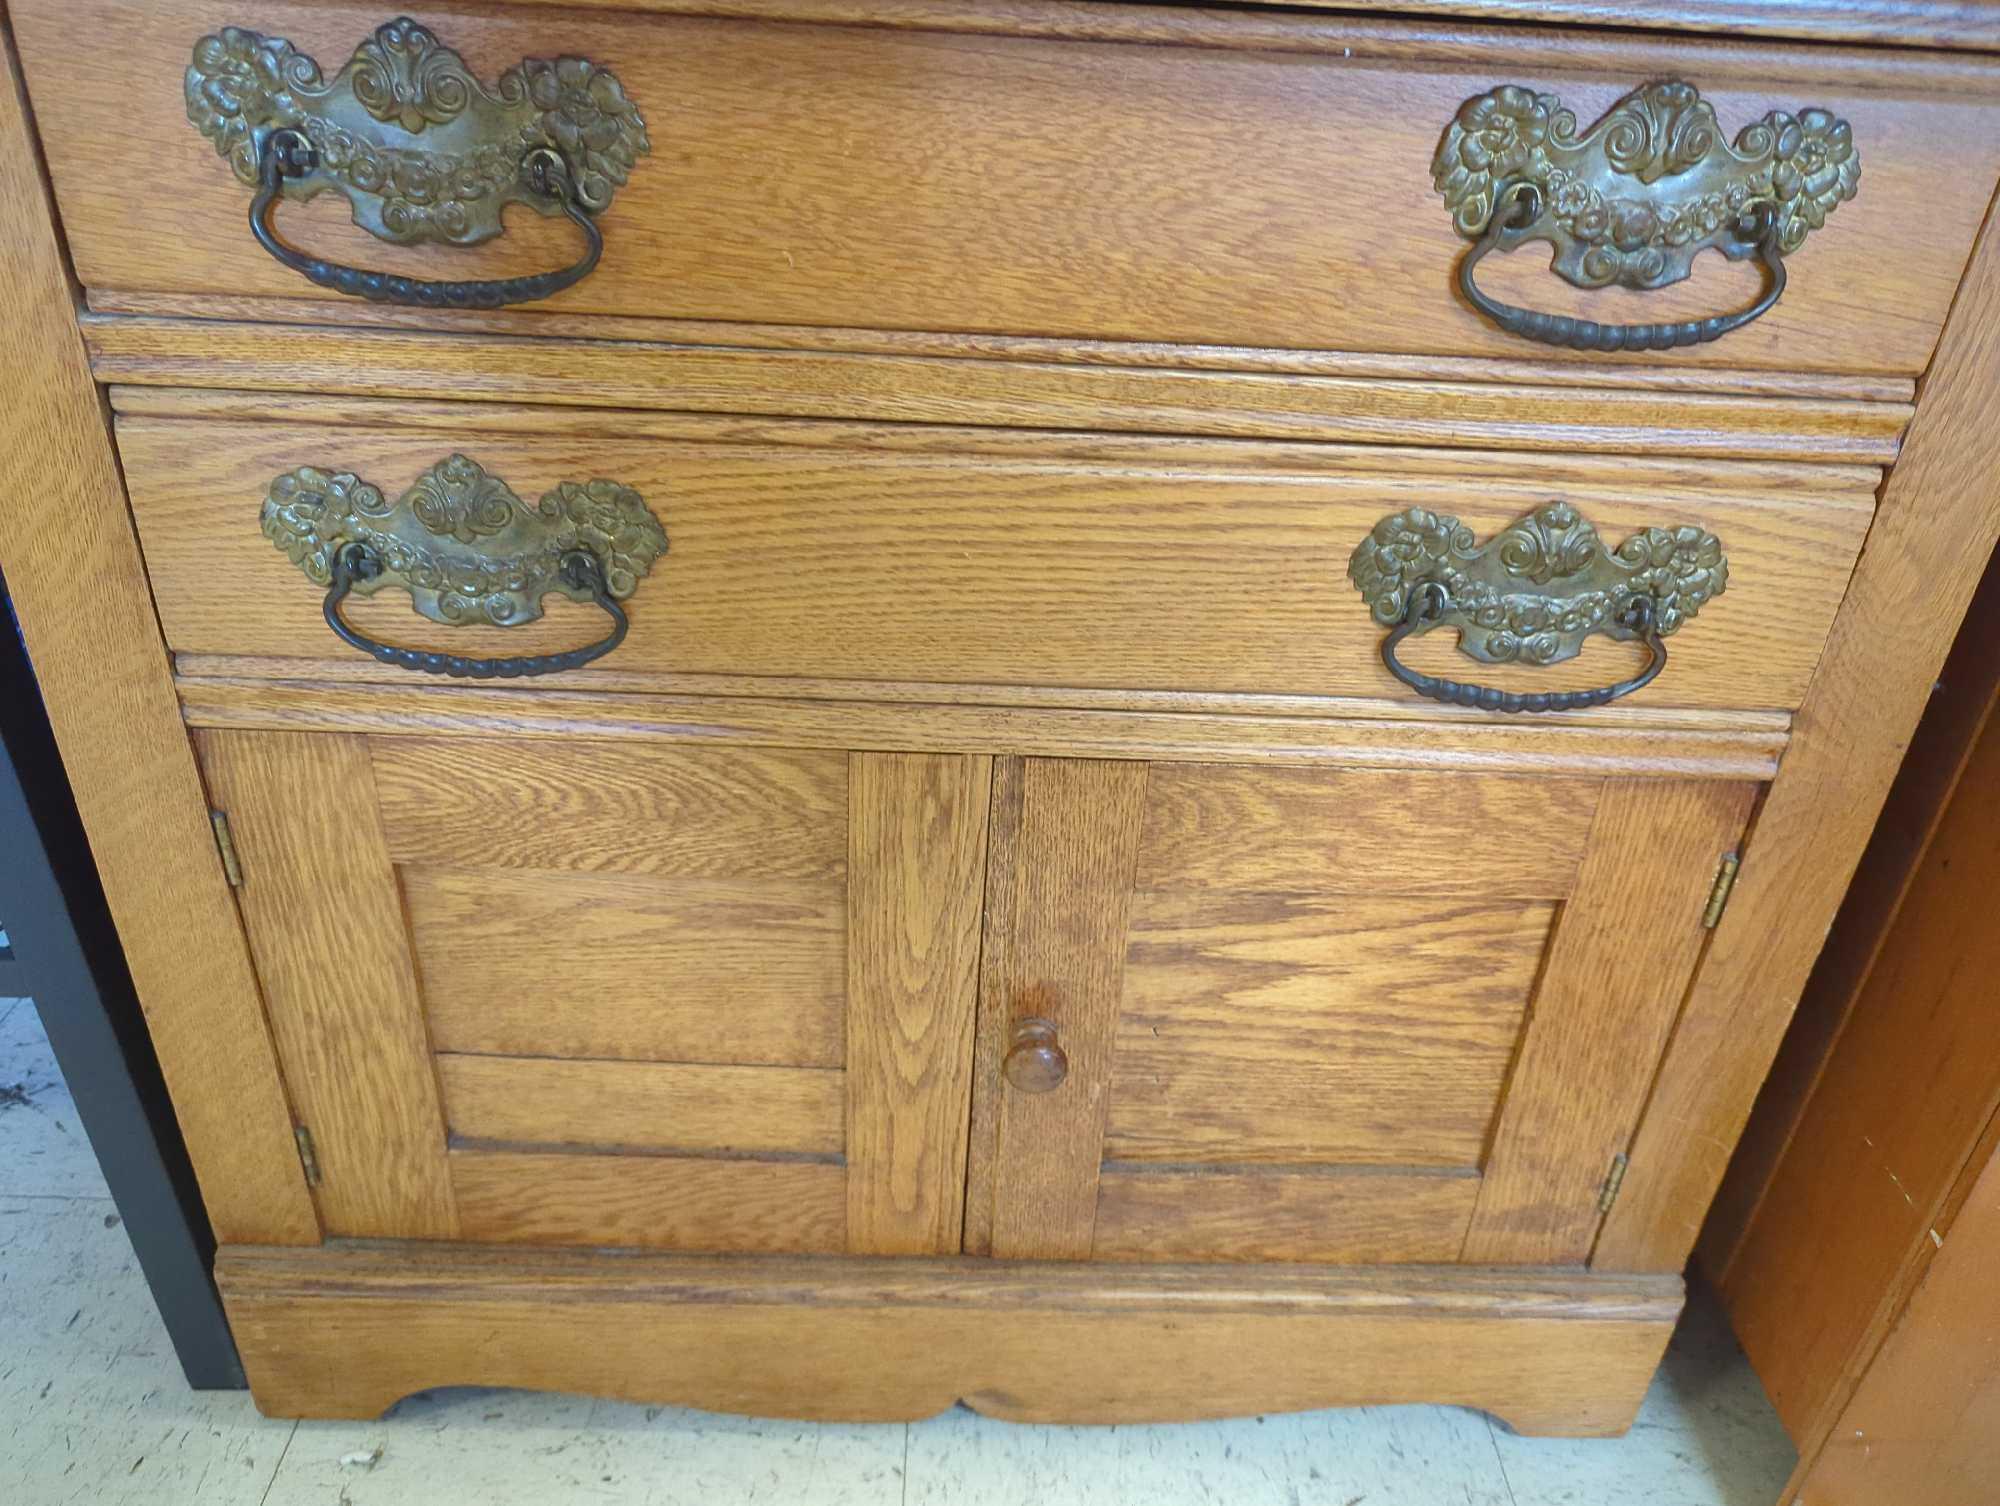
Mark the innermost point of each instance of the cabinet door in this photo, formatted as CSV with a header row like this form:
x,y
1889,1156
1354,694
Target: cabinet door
x,y
1349,1016
611,994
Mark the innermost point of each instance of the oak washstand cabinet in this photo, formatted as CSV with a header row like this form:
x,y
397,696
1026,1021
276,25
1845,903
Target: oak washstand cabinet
x,y
822,706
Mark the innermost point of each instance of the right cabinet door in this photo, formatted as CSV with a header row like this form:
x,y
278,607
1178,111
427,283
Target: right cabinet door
x,y
1353,1016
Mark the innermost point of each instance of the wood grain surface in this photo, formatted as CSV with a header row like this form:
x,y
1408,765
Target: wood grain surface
x,y
916,875
900,179
1317,1214
679,970
1071,881
1519,370
1373,734
1939,517
1318,1027
865,567
104,679
889,1340
321,909
792,1206
1614,976
1395,404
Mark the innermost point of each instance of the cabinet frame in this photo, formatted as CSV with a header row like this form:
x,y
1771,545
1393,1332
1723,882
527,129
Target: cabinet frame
x,y
81,594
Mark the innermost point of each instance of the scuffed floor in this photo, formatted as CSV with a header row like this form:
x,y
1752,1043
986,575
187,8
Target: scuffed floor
x,y
96,1412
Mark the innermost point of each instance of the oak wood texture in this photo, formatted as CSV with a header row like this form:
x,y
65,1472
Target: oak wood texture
x,y
681,998
1368,1035
1613,978
1387,405
1880,1120
858,566
663,1106
665,812
1924,1424
891,1340
1963,704
1070,883
649,969
1293,1004
104,678
916,876
1374,733
1935,528
320,905
1657,376
794,1205
1352,1217
1273,30
894,178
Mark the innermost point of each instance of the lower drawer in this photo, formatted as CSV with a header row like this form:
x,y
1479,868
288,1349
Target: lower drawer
x,y
834,553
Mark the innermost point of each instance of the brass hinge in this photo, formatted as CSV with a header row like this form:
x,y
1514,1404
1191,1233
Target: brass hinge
x,y
308,1158
1613,1180
226,845
1718,897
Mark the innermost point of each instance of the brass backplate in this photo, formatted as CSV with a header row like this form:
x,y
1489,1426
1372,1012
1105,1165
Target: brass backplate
x,y
422,150
1533,592
1632,200
466,548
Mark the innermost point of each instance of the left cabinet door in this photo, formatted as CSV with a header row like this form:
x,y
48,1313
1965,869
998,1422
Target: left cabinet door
x,y
617,993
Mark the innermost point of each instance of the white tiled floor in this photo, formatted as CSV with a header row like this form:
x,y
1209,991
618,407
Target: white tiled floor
x,y
95,1411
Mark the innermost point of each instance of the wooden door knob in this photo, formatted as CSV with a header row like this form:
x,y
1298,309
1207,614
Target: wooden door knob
x,y
1035,1062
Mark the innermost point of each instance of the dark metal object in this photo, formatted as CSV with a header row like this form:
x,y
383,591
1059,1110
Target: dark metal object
x,y
1531,595
64,952
1514,221
1036,1062
422,151
288,156
358,562
469,551
1632,201
1429,605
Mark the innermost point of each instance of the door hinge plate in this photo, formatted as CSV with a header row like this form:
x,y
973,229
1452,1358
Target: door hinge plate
x,y
1718,897
308,1157
1613,1180
225,844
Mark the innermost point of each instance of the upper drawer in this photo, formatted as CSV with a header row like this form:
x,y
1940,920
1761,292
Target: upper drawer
x,y
989,562
1262,181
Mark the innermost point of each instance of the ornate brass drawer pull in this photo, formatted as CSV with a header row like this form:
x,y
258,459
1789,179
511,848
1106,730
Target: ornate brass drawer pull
x,y
1531,595
469,551
421,150
1631,202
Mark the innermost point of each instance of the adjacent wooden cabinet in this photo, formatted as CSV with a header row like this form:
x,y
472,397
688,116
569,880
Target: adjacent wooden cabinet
x,y
830,706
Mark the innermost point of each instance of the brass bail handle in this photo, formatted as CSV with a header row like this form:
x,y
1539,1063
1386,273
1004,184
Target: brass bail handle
x,y
1531,595
469,552
288,156
1430,603
1633,200
580,569
1516,214
424,151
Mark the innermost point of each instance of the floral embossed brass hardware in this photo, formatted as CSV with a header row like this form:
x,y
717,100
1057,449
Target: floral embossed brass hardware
x,y
419,147
1531,594
1631,201
468,550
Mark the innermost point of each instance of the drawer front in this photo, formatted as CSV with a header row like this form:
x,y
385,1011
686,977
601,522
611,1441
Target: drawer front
x,y
891,179
1355,1017
856,565
714,999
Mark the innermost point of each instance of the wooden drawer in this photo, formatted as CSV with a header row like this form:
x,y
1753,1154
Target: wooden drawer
x,y
1257,182
960,559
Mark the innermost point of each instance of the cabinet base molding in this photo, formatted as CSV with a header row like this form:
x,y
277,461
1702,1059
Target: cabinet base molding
x,y
347,1329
